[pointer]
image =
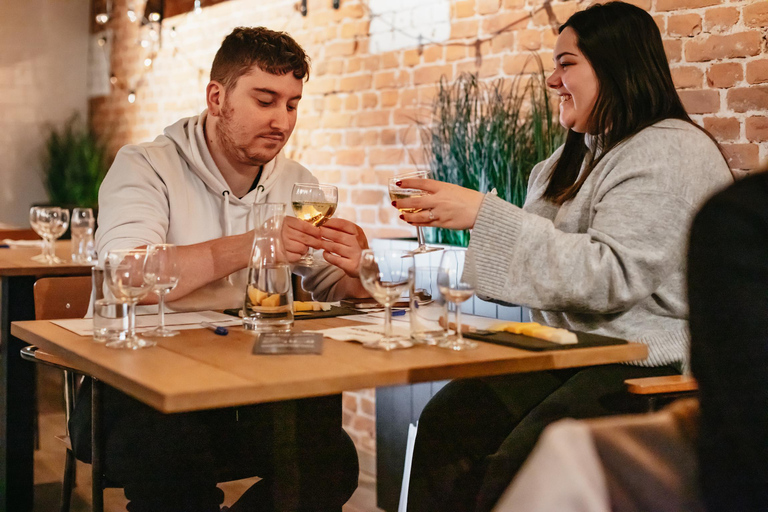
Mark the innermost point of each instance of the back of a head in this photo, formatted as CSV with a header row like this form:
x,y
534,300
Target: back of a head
x,y
273,52
624,47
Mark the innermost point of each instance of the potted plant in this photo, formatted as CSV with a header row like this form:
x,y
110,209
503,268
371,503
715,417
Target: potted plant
x,y
487,136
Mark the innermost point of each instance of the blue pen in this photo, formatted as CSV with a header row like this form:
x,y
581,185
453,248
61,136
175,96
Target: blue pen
x,y
218,329
398,312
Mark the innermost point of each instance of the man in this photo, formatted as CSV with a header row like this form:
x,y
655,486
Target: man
x,y
194,186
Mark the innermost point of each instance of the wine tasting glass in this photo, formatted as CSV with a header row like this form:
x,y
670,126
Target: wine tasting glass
x,y
50,222
162,272
127,283
396,193
313,203
455,289
82,223
385,275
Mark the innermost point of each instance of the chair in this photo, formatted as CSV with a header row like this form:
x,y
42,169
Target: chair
x,y
18,234
61,297
662,390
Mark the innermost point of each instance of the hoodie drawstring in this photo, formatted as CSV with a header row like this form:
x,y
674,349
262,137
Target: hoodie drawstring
x,y
227,225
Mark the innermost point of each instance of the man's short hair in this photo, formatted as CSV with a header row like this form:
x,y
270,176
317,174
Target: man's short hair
x,y
274,52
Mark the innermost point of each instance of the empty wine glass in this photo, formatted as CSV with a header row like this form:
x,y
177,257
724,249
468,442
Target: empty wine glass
x,y
385,275
82,222
313,203
50,222
162,272
126,281
455,289
396,192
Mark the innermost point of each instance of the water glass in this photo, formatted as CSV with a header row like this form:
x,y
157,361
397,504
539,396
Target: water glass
x,y
110,320
83,248
427,307
126,280
162,271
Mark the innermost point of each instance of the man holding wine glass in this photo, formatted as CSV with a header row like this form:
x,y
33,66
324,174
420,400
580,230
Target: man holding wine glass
x,y
194,187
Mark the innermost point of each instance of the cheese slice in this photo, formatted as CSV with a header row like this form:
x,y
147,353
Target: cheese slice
x,y
536,330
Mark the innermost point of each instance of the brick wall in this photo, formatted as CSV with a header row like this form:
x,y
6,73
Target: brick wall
x,y
356,122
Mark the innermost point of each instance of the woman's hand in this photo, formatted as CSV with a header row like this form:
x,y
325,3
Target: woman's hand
x,y
343,243
298,236
444,205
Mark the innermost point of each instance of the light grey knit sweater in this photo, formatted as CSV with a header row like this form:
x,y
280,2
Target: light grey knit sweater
x,y
612,259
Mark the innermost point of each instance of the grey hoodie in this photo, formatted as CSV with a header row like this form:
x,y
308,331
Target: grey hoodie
x,y
612,259
170,191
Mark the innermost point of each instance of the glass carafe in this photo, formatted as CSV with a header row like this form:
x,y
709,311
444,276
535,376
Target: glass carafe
x,y
269,294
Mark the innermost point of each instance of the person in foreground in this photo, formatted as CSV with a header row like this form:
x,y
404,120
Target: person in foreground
x,y
194,187
728,293
599,246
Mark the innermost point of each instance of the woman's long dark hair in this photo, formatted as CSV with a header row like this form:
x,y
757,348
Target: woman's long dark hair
x,y
623,45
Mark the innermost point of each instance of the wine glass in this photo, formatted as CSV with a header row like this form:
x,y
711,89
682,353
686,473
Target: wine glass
x,y
396,192
313,203
50,222
82,223
385,275
455,289
162,272
35,221
126,281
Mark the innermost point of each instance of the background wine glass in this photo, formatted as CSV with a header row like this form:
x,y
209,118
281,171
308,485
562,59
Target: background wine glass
x,y
37,223
313,203
385,275
127,283
82,223
50,222
455,289
396,193
162,272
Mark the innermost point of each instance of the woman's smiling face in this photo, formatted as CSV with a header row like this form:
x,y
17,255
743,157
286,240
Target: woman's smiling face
x,y
575,82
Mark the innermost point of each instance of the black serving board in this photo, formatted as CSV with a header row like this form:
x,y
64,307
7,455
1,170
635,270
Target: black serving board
x,y
308,315
527,343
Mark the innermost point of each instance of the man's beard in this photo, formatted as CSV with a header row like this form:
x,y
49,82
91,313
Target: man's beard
x,y
224,134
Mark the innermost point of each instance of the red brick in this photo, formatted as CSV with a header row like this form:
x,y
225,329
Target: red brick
x,y
722,128
351,102
714,47
720,19
700,102
519,63
757,129
675,5
464,28
390,60
687,77
643,4
490,67
388,156
339,49
366,216
513,4
504,42
367,196
431,74
488,6
349,402
355,83
756,14
455,52
757,71
506,20
383,79
463,9
685,25
742,156
373,118
336,120
411,58
409,97
389,98
674,49
746,99
389,137
724,75
355,28
354,65
529,40
350,157
370,100
433,53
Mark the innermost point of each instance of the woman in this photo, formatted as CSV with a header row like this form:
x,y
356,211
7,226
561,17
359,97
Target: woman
x,y
599,246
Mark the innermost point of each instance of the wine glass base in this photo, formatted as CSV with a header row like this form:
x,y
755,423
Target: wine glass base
x,y
458,344
423,249
40,258
162,332
387,344
134,343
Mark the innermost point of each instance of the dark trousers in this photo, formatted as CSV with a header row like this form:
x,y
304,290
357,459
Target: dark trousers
x,y
173,462
475,434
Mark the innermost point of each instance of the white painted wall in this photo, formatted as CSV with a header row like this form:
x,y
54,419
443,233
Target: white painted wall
x,y
43,77
399,24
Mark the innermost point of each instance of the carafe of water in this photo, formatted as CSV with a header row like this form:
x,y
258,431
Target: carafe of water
x,y
269,294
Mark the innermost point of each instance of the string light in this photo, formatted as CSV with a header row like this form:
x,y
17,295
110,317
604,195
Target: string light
x,y
102,18
198,8
131,97
148,61
154,16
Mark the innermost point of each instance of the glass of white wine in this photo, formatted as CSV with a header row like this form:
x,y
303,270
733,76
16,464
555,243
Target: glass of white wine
x,y
456,289
162,272
313,203
126,280
386,274
396,192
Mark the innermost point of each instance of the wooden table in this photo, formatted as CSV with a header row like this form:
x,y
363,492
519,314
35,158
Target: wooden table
x,y
200,370
18,274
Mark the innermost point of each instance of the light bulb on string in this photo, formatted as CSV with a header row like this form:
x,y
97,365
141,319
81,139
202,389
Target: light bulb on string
x,y
154,17
173,32
131,97
148,61
198,8
113,80
102,18
102,41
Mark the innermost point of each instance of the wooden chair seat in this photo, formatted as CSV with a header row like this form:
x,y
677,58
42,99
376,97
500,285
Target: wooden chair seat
x,y
666,384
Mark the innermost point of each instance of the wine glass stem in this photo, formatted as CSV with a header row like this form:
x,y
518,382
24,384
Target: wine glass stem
x,y
132,319
420,236
161,308
387,321
50,252
459,337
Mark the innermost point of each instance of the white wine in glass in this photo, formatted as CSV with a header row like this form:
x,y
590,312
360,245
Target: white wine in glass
x,y
162,272
456,289
313,203
396,192
127,283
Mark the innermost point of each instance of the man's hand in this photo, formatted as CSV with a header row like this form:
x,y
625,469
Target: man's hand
x,y
298,236
343,242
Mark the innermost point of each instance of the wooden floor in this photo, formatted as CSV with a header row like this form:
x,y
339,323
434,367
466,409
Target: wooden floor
x,y
49,463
